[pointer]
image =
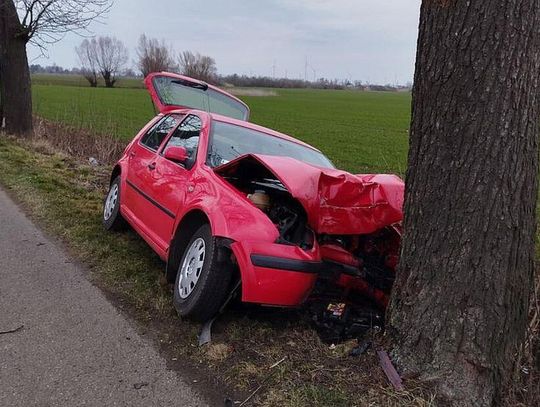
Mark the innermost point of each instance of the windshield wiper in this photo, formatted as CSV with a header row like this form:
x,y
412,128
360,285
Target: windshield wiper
x,y
236,151
202,86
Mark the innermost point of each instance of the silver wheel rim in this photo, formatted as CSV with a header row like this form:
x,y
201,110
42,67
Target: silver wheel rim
x,y
191,267
110,202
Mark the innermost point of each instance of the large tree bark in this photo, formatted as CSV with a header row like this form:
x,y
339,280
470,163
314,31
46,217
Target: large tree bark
x,y
15,84
1,98
460,300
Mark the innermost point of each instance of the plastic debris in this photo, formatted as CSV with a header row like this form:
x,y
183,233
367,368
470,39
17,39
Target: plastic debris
x,y
389,370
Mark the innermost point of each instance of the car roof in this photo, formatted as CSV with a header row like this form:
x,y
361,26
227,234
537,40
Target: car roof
x,y
247,125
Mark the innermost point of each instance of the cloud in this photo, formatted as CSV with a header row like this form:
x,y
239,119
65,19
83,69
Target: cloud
x,y
362,39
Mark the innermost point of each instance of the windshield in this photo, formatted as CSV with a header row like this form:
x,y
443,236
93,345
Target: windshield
x,y
229,141
175,92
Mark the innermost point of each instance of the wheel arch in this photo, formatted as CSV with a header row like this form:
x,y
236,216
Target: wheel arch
x,y
185,229
117,170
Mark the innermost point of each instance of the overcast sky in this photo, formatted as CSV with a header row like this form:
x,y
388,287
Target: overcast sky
x,y
368,40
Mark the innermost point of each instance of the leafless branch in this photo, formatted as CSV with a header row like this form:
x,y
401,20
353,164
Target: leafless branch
x,y
47,21
154,56
198,66
86,53
108,55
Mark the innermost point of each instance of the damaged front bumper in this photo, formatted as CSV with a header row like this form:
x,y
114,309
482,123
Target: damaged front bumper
x,y
275,274
283,275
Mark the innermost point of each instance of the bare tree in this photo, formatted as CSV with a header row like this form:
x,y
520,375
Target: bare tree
x,y
87,55
111,56
198,66
154,56
39,22
459,307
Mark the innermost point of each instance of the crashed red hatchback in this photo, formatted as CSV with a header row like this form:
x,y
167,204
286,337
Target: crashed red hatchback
x,y
227,203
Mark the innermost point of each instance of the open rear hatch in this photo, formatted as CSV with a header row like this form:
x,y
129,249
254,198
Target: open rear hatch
x,y
171,91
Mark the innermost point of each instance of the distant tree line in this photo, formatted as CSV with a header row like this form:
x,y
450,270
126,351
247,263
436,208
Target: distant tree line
x,y
56,69
321,83
107,57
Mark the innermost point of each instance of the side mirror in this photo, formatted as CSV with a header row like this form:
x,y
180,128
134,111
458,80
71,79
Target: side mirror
x,y
176,154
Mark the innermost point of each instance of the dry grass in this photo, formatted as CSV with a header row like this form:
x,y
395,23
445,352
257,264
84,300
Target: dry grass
x,y
523,389
218,352
78,142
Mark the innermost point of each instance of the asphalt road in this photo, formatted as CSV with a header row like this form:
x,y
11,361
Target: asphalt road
x,y
75,348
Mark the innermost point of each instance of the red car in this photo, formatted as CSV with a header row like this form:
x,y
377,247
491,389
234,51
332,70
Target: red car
x,y
222,200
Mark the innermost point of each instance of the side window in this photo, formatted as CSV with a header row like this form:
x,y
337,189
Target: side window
x,y
159,131
187,136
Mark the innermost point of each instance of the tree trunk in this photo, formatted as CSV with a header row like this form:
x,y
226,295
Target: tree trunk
x,y
460,300
16,85
1,96
92,79
109,79
3,21
17,91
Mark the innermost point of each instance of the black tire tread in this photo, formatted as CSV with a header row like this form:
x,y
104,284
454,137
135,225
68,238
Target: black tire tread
x,y
116,222
216,283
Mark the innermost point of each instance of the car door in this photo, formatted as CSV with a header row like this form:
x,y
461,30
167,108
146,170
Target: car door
x,y
142,158
172,181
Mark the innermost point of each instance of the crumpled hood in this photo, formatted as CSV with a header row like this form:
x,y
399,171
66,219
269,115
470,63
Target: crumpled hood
x,y
336,202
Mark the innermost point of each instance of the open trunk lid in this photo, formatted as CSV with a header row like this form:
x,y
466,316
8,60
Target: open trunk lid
x,y
171,91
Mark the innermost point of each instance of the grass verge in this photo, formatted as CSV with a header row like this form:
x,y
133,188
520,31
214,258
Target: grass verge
x,y
64,195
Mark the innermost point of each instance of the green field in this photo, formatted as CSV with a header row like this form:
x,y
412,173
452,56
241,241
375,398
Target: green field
x,y
359,131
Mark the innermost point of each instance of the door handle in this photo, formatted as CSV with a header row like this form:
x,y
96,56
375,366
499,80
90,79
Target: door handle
x,y
132,154
152,166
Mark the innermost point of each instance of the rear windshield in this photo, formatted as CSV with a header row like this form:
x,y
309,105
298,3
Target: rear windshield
x,y
172,92
229,141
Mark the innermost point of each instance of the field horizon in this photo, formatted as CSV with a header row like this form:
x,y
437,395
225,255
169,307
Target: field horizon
x,y
359,131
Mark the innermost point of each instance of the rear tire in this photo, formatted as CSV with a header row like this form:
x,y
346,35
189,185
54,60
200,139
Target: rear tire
x,y
111,217
203,278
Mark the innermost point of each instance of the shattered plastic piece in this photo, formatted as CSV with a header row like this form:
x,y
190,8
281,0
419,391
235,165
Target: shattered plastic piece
x,y
336,310
205,336
360,349
389,370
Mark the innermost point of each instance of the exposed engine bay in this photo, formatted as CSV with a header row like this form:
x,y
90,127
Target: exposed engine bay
x,y
353,288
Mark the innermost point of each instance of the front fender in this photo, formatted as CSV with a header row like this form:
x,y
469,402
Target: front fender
x,y
230,214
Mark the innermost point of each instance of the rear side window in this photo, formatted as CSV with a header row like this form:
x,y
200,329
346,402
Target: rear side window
x,y
159,131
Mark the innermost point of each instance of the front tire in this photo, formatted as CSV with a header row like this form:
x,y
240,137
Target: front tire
x,y
111,217
203,277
